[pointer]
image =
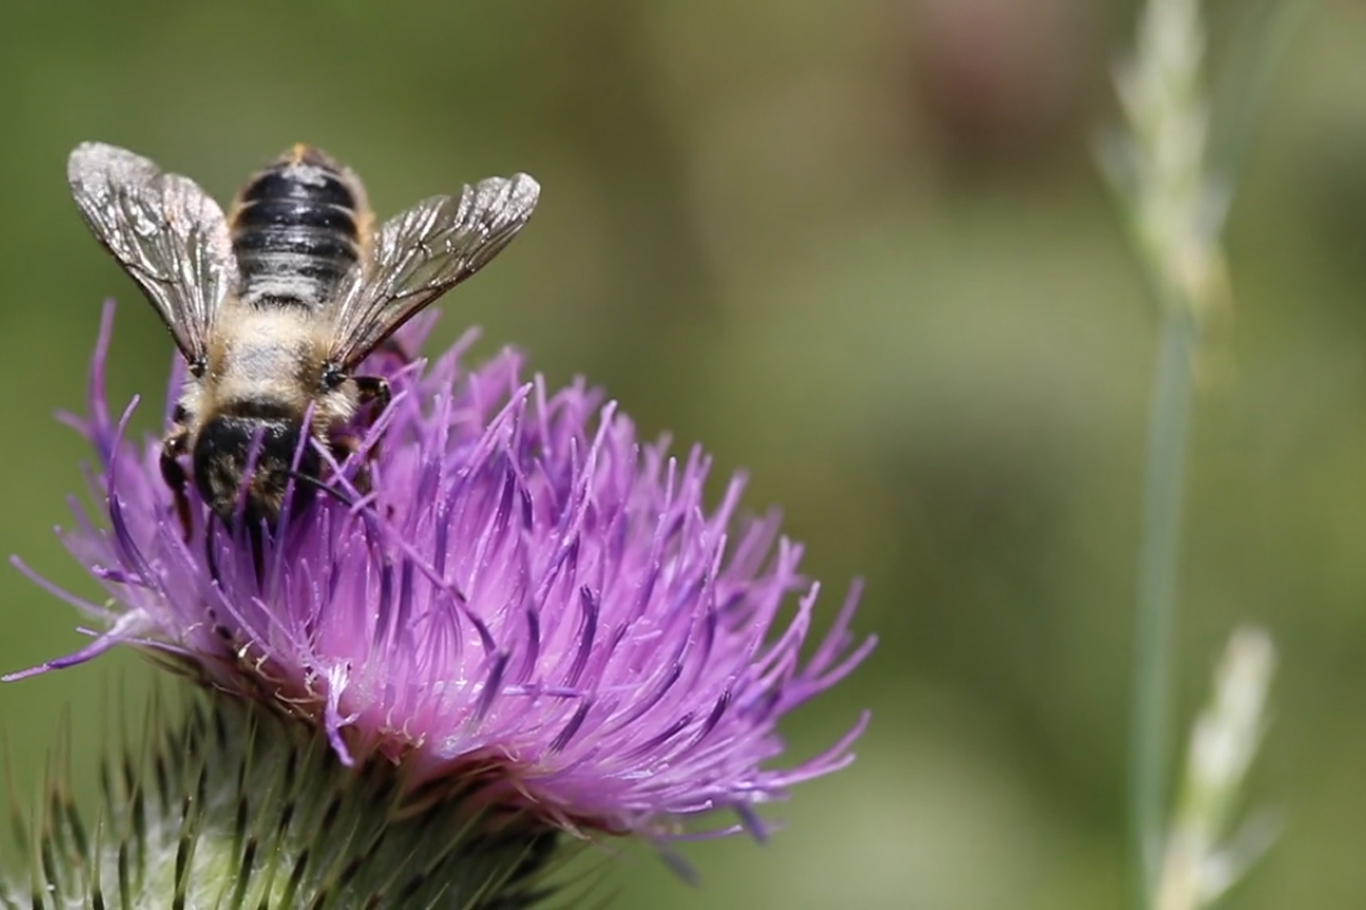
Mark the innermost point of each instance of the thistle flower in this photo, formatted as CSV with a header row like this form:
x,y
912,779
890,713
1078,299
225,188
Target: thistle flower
x,y
505,586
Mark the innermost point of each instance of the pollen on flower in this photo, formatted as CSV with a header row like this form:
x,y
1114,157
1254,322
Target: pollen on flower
x,y
508,586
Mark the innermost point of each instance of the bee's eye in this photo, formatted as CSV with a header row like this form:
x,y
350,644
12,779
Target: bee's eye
x,y
332,376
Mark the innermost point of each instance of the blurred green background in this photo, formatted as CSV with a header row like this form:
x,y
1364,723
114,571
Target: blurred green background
x,y
859,248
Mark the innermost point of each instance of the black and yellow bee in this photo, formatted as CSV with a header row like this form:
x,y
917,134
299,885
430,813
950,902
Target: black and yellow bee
x,y
274,305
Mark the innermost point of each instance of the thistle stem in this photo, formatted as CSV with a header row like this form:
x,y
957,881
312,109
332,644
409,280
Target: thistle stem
x,y
1159,560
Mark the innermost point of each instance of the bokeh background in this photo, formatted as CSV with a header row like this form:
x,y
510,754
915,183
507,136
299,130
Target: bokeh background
x,y
858,248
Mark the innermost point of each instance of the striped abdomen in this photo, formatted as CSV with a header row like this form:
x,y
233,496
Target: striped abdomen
x,y
296,230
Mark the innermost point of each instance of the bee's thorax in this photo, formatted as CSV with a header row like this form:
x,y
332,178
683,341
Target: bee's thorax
x,y
271,357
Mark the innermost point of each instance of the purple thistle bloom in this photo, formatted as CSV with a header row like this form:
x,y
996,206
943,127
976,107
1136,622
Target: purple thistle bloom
x,y
526,593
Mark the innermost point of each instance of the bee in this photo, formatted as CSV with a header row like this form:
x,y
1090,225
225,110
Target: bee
x,y
275,304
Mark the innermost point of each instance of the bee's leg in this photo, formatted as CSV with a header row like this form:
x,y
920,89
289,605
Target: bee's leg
x,y
172,447
373,388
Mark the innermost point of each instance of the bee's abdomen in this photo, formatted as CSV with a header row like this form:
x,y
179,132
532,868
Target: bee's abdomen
x,y
295,231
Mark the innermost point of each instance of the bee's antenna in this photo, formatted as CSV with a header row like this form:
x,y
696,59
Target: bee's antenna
x,y
317,484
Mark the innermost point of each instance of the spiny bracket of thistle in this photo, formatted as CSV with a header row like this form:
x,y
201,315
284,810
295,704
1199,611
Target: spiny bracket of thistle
x,y
228,804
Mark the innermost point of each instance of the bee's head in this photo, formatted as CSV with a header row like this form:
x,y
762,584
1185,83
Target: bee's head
x,y
222,450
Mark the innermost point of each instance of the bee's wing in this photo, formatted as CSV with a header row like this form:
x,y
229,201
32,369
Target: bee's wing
x,y
165,231
422,253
